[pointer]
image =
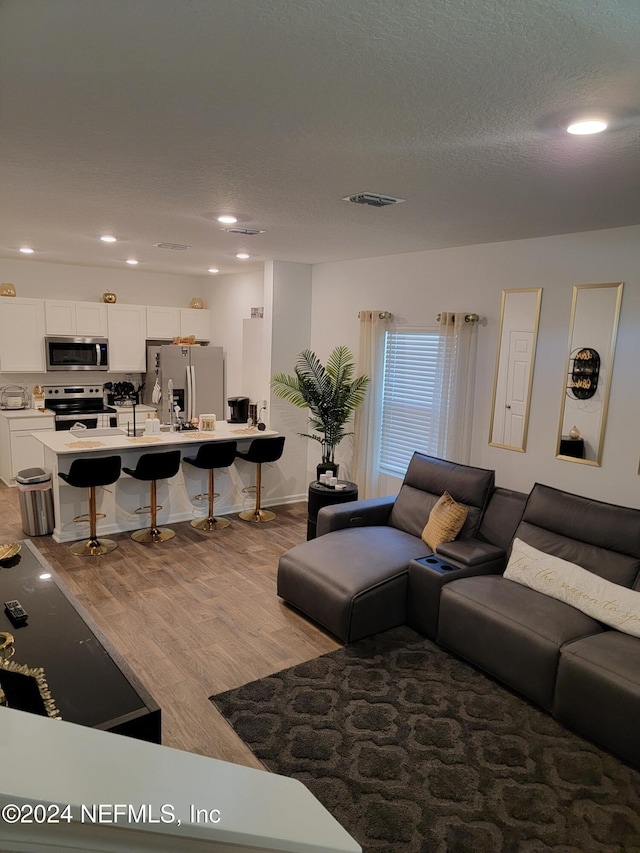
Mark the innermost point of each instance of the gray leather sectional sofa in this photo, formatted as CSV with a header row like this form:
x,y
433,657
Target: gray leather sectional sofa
x,y
368,571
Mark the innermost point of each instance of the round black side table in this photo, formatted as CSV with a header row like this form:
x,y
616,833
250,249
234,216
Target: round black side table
x,y
321,495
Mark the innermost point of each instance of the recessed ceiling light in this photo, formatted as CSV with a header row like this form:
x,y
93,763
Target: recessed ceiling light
x,y
26,250
227,220
213,269
242,256
108,238
132,261
583,128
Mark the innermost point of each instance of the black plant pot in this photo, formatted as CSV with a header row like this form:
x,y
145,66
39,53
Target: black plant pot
x,y
327,466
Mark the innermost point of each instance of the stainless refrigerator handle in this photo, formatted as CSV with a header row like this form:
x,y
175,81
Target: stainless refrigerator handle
x,y
187,402
187,391
193,392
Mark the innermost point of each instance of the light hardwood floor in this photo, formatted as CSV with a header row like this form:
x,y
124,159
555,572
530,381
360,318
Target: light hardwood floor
x,y
194,616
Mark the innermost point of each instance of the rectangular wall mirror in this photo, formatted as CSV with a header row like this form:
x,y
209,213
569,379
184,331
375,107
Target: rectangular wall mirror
x,y
513,380
595,311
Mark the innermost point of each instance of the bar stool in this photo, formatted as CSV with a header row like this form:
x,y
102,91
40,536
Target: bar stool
x,y
216,454
261,450
153,467
89,474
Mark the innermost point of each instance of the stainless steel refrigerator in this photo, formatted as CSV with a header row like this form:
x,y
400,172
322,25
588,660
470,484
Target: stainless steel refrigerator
x,y
197,377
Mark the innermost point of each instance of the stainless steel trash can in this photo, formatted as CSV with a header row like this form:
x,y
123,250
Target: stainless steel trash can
x,y
36,501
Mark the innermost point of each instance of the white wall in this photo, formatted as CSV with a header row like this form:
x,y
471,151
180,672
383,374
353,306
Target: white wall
x,y
231,298
37,280
415,287
288,331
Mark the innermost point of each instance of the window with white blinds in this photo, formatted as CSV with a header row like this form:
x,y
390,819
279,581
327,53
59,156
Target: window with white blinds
x,y
408,422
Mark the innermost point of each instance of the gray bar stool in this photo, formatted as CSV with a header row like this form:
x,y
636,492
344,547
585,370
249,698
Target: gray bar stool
x,y
153,467
216,454
261,450
89,474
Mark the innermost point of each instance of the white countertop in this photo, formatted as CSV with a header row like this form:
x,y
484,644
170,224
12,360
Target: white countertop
x,y
25,413
53,762
62,442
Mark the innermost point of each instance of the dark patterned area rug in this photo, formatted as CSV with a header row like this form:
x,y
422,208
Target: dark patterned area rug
x,y
414,751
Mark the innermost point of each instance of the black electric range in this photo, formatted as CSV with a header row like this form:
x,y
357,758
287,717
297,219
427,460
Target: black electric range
x,y
83,404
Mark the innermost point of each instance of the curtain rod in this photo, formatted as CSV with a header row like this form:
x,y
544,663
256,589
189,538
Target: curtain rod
x,y
382,315
468,318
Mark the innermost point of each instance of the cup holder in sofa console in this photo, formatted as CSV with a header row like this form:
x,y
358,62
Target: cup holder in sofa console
x,y
435,563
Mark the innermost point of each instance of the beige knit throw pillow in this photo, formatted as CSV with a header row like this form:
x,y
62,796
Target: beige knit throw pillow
x,y
445,522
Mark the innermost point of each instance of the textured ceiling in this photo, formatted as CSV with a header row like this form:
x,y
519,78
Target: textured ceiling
x,y
146,118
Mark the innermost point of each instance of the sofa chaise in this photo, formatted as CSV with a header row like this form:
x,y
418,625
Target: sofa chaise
x,y
352,579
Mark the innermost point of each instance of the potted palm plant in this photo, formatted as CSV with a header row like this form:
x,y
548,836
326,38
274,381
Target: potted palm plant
x,y
331,393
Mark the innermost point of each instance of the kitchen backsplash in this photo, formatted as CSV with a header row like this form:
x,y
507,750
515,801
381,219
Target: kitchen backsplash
x,y
72,377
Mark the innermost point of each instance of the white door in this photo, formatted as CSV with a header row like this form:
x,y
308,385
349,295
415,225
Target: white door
x,y
518,370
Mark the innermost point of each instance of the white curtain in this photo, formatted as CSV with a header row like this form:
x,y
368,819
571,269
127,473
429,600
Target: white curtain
x,y
373,325
455,373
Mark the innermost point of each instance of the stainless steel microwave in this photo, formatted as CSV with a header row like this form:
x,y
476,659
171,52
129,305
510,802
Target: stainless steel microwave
x,y
69,353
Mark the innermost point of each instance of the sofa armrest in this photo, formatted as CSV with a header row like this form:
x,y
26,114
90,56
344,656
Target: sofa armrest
x,y
364,513
427,578
470,552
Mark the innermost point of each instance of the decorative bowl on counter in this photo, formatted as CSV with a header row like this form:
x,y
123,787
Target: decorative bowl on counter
x,y
14,397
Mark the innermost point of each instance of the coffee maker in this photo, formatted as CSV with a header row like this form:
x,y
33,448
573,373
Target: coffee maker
x,y
238,410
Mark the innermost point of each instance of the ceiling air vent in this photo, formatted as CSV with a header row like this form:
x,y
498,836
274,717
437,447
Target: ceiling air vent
x,y
176,247
373,199
248,232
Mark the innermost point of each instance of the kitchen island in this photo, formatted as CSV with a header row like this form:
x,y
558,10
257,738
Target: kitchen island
x,y
120,501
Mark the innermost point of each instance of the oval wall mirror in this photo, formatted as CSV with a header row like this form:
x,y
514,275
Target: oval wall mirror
x,y
593,327
513,380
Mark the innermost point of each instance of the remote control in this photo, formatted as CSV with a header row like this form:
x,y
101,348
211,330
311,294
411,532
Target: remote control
x,y
16,612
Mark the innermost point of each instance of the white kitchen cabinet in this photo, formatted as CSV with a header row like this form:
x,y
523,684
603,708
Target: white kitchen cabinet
x,y
163,322
195,321
127,334
91,319
60,317
22,328
18,448
65,317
